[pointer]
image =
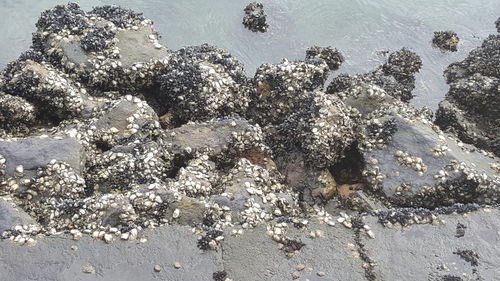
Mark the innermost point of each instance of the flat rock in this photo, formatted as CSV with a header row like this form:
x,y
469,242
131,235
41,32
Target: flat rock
x,y
53,259
36,152
437,252
255,256
10,215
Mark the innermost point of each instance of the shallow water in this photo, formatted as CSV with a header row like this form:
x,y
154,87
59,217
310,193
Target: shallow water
x,y
359,28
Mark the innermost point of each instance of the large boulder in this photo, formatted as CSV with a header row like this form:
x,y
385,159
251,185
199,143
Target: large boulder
x,y
412,162
108,48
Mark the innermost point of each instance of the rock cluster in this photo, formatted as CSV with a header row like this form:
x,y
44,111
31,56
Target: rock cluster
x,y
396,76
471,109
105,133
446,40
255,17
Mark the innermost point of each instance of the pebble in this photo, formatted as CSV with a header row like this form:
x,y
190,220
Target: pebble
x,y
157,268
177,265
88,269
300,267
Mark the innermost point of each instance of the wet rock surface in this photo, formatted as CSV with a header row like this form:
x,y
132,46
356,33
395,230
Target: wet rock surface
x,y
122,159
446,40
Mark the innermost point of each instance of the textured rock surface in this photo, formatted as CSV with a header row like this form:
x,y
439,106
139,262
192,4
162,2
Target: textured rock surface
x,y
462,247
250,248
53,258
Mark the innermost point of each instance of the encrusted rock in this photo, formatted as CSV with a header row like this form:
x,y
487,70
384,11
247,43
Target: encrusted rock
x,y
204,82
255,18
446,40
413,163
321,130
109,48
396,76
471,109
330,55
281,89
220,139
16,114
46,87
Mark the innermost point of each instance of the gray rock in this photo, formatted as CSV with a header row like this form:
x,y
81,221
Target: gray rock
x,y
420,166
36,152
396,76
125,120
53,259
11,215
255,256
438,251
220,139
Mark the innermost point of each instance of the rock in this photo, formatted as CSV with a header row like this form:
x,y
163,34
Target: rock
x,y
37,152
413,163
204,82
255,18
471,108
125,165
165,246
244,255
330,55
434,251
396,77
220,139
255,194
446,40
125,120
497,24
11,215
198,178
16,114
109,48
48,89
483,60
321,131
281,89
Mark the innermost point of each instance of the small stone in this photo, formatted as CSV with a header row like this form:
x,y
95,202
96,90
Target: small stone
x,y
88,269
177,265
295,275
157,268
321,273
300,267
